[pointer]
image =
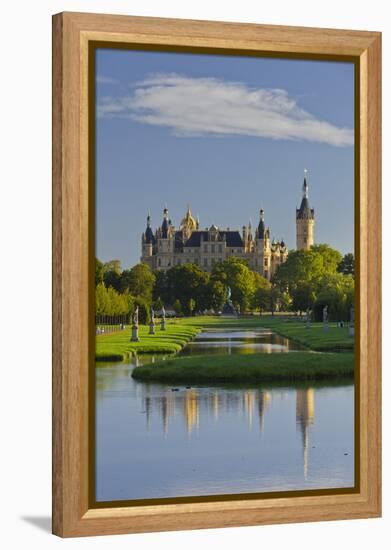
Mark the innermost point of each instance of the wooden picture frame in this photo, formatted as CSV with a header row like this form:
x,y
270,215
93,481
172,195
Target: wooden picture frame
x,y
73,224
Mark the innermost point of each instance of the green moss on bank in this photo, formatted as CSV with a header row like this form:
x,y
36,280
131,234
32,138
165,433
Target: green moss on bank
x,y
118,347
259,367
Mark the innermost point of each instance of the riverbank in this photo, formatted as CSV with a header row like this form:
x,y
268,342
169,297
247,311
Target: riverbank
x,y
254,368
118,347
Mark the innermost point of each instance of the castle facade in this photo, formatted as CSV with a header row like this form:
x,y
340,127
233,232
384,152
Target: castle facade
x,y
169,246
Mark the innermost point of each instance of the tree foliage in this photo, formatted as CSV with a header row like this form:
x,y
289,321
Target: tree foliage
x,y
346,265
308,279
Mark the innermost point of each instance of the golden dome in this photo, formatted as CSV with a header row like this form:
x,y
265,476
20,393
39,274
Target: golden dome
x,y
189,222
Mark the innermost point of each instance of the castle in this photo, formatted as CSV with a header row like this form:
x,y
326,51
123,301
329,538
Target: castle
x,y
169,246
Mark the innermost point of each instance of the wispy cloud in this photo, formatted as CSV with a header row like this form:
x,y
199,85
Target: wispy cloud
x,y
100,79
209,106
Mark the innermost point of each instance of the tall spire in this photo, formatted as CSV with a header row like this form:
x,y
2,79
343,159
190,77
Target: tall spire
x,y
305,220
261,225
165,223
149,238
305,184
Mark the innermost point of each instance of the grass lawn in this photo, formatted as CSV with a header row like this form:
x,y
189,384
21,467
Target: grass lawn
x,y
118,347
258,367
315,338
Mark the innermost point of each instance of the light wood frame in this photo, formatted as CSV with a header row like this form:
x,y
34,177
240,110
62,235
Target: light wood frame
x,y
72,32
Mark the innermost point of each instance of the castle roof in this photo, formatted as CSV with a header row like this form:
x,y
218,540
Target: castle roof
x,y
305,212
232,238
189,221
149,238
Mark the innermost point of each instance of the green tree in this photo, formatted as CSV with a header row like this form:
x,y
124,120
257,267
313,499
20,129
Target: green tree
x,y
185,282
160,288
113,265
144,314
159,304
262,294
217,295
280,300
346,265
235,273
139,281
331,257
101,299
336,292
109,302
177,307
302,274
191,306
112,279
99,271
303,296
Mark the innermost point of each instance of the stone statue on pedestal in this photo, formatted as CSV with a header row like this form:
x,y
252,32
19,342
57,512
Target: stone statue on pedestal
x,y
163,323
228,308
152,322
134,337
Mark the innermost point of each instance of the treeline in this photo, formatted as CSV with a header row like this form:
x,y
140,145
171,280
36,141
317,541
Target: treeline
x,y
309,279
318,277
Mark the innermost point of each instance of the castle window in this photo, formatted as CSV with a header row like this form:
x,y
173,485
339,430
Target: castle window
x,y
212,248
220,248
265,262
159,262
205,262
205,248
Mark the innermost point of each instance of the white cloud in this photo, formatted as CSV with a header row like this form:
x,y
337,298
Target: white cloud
x,y
208,106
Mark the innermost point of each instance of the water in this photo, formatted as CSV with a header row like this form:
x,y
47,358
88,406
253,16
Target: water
x,y
155,440
239,341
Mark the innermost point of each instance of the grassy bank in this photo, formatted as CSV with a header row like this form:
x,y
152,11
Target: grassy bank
x,y
258,367
118,347
314,338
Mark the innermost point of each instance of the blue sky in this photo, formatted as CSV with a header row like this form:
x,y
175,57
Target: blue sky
x,y
227,135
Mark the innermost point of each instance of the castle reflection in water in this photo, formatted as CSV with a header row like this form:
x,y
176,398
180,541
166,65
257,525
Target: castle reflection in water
x,y
251,404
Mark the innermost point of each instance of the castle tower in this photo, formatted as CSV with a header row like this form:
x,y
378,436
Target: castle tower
x,y
147,243
165,243
262,247
305,220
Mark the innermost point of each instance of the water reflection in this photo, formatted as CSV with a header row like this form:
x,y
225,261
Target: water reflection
x,y
166,402
158,440
305,414
238,341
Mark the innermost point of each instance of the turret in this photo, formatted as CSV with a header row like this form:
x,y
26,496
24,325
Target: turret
x,y
148,241
305,220
261,225
165,224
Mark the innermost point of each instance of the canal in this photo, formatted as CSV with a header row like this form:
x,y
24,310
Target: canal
x,y
155,440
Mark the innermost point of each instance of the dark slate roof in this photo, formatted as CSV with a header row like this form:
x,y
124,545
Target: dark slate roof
x,y
232,238
164,228
261,229
149,238
304,212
